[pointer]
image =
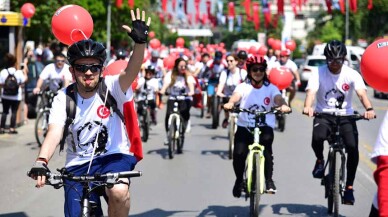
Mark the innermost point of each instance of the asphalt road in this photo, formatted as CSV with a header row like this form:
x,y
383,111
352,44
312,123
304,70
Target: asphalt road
x,y
198,182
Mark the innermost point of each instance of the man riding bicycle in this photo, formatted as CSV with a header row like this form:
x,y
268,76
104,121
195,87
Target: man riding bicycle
x,y
332,86
256,93
95,132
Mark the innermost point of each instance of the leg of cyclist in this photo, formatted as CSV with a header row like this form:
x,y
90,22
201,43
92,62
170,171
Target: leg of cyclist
x,y
350,137
321,130
266,139
241,141
170,107
225,121
185,112
152,105
210,93
292,90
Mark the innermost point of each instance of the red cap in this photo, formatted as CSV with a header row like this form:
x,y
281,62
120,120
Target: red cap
x,y
286,52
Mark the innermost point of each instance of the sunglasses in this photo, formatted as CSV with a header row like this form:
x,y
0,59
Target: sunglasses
x,y
338,60
230,61
182,67
85,68
258,69
59,61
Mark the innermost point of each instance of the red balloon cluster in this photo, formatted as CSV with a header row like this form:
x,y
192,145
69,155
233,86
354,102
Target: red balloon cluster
x,y
169,62
281,77
262,50
115,68
28,10
374,68
276,44
71,23
291,45
252,50
155,43
180,42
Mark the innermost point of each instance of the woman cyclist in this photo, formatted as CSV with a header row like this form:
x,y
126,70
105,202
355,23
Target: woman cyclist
x,y
147,87
256,93
177,83
229,79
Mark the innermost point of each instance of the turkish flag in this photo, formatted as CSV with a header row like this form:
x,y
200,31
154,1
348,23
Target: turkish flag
x,y
281,7
164,5
133,130
131,4
119,3
342,6
370,4
353,5
328,4
256,16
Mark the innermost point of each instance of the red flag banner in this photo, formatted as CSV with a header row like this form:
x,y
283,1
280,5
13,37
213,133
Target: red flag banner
x,y
267,15
119,3
164,5
231,12
342,6
131,4
208,8
328,4
280,7
197,12
353,5
370,4
256,15
173,3
247,6
185,6
133,131
293,5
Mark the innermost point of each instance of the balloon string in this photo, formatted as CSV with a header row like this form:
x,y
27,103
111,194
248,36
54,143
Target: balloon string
x,y
71,34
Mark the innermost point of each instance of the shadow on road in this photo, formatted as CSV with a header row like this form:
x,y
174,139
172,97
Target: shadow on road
x,y
15,214
300,209
163,152
158,212
223,154
229,211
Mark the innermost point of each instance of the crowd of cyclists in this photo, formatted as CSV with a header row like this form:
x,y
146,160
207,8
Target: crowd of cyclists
x,y
238,77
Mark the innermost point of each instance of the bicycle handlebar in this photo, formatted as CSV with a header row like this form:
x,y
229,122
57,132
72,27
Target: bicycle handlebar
x,y
356,116
257,112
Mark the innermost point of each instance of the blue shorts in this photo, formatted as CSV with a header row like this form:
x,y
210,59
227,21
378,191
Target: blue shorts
x,y
73,190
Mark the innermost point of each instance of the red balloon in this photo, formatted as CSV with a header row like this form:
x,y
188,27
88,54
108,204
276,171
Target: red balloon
x,y
270,41
151,34
169,62
222,44
180,42
28,10
115,68
155,43
277,44
252,50
281,77
71,23
374,68
262,50
291,45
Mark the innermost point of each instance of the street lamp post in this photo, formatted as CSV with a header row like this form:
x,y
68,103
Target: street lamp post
x,y
108,29
346,20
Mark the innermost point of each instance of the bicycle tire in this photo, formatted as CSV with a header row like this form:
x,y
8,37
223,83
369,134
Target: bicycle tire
x,y
215,112
171,138
145,125
281,122
181,139
41,126
204,104
231,137
330,184
336,187
255,193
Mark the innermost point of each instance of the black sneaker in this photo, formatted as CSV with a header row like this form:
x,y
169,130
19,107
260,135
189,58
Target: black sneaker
x,y
348,198
237,189
319,169
270,185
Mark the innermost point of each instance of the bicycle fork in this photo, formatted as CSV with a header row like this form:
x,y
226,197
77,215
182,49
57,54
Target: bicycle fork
x,y
255,149
178,123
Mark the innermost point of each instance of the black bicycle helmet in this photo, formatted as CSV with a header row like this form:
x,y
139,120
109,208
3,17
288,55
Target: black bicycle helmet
x,y
335,49
242,55
84,49
218,54
121,54
150,68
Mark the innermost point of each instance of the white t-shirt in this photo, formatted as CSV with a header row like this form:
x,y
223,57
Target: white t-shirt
x,y
289,64
215,69
179,85
231,80
152,86
19,77
158,65
252,98
332,88
86,125
381,145
52,72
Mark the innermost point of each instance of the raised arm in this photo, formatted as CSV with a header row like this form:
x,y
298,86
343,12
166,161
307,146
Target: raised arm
x,y
138,33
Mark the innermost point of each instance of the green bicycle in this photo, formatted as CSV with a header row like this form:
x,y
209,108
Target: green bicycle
x,y
254,173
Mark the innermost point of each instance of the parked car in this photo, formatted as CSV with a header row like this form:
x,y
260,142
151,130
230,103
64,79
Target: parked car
x,y
34,70
310,65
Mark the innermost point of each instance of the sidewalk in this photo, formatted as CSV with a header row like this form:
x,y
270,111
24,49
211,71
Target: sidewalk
x,y
26,135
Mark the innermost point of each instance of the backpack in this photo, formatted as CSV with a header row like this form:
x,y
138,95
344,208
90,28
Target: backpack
x,y
71,105
11,85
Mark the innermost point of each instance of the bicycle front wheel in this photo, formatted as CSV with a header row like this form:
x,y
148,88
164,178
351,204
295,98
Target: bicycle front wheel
x,y
41,126
215,112
231,137
255,193
145,125
172,138
334,186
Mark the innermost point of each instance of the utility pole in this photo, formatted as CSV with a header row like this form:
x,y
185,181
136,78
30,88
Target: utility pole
x,y
346,20
108,29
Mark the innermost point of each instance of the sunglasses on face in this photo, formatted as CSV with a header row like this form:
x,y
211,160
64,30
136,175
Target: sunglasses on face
x,y
182,67
258,69
338,60
59,61
84,68
230,61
